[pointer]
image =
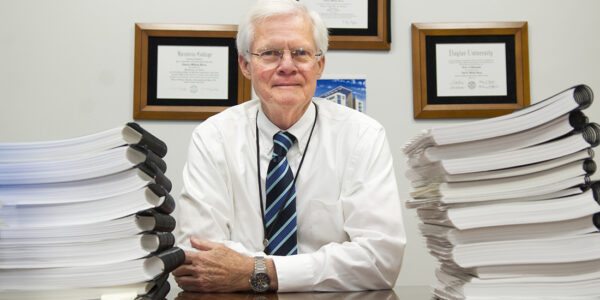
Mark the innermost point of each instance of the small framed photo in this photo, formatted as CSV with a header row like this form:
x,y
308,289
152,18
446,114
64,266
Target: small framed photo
x,y
469,70
186,72
346,90
352,24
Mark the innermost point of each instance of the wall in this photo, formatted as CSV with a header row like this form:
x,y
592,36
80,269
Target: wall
x,y
66,69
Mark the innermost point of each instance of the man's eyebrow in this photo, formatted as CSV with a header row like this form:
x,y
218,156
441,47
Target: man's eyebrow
x,y
271,47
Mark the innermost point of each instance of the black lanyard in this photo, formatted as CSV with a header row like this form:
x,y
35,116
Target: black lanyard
x,y
262,209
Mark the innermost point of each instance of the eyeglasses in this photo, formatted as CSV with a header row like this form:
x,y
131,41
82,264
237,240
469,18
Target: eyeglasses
x,y
300,56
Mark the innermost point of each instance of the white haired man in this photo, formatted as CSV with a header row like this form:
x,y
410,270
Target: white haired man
x,y
288,192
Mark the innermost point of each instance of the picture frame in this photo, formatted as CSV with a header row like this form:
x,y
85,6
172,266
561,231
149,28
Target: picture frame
x,y
186,71
349,90
469,70
355,25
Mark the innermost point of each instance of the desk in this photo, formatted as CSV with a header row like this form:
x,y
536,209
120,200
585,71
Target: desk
x,y
398,293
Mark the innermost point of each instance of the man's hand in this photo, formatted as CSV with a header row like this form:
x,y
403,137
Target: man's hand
x,y
215,268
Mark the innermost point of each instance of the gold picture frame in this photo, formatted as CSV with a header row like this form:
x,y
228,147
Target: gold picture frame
x,y
428,102
345,34
376,37
148,103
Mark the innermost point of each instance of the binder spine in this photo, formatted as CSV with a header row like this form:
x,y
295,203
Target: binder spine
x,y
152,158
168,205
589,166
159,177
590,152
596,191
586,185
161,279
583,95
171,258
166,240
149,141
165,223
591,134
158,292
578,120
162,222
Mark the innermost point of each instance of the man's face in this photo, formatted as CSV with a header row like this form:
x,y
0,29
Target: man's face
x,y
285,84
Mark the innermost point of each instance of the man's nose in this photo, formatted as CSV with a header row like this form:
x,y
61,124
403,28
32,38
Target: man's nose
x,y
287,62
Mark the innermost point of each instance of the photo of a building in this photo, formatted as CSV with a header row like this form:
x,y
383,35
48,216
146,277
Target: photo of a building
x,y
347,92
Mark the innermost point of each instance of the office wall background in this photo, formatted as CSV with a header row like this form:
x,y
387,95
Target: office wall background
x,y
66,69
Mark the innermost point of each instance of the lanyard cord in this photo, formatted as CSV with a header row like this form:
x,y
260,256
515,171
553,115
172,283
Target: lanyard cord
x,y
262,209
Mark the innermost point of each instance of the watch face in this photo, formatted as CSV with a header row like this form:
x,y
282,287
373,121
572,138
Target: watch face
x,y
260,282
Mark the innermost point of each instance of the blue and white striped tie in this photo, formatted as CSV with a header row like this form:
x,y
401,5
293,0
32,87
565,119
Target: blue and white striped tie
x,y
281,226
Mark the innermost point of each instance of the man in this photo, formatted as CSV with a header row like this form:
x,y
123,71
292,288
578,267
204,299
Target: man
x,y
324,216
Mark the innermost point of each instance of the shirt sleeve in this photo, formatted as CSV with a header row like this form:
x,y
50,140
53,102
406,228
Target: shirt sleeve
x,y
205,207
372,256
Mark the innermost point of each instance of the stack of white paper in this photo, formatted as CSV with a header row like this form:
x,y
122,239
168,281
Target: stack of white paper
x,y
506,204
87,217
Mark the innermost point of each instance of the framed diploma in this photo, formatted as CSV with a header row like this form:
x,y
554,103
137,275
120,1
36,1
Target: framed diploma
x,y
186,72
469,70
355,24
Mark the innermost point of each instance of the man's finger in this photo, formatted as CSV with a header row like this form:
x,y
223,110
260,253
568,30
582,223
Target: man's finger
x,y
184,270
189,257
203,245
187,284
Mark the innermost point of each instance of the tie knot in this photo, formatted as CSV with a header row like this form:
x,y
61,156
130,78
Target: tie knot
x,y
282,142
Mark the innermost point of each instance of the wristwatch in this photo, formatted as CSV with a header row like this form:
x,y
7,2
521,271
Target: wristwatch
x,y
260,281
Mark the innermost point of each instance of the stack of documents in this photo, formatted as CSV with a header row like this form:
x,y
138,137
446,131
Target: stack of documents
x,y
507,205
87,217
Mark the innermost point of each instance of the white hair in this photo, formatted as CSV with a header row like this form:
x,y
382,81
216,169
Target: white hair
x,y
264,9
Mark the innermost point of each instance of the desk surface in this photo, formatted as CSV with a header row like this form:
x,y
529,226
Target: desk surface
x,y
398,293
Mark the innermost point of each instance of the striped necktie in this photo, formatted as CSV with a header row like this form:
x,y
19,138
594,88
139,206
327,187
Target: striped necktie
x,y
281,199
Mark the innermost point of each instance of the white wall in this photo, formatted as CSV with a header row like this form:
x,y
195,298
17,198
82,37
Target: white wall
x,y
66,69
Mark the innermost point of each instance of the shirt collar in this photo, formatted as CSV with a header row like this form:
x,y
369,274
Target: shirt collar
x,y
301,129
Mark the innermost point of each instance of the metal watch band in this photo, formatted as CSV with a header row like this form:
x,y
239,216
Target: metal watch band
x,y
259,265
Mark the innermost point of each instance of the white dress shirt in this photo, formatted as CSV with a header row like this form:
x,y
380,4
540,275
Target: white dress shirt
x,y
350,230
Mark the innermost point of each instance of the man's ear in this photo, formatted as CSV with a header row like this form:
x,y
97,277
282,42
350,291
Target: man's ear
x,y
320,66
244,66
